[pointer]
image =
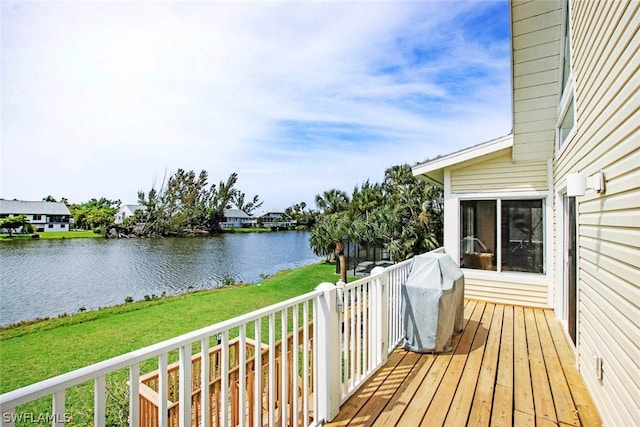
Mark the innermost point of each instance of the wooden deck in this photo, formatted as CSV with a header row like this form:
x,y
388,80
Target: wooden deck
x,y
510,366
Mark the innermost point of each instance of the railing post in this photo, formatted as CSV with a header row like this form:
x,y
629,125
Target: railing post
x,y
383,314
184,385
328,350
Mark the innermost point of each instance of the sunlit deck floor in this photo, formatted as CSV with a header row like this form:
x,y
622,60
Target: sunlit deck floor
x,y
510,366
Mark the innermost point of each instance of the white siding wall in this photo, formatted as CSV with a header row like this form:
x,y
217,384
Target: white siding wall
x,y
500,174
494,176
507,288
606,62
536,55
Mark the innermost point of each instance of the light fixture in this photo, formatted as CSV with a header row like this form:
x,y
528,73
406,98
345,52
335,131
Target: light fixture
x,y
577,183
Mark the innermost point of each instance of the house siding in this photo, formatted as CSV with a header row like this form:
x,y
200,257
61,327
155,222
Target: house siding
x,y
506,289
605,63
495,176
500,174
536,42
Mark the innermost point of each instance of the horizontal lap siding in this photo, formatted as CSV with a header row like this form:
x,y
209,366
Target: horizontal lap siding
x,y
536,55
605,44
500,174
505,290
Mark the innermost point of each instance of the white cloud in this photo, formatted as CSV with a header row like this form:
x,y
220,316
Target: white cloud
x,y
100,98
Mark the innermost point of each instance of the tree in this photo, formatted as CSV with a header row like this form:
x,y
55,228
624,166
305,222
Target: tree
x,y
188,202
249,207
183,199
327,237
332,201
95,213
12,223
217,200
403,215
304,217
335,222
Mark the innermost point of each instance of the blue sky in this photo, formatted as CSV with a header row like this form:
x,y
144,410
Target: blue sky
x,y
101,99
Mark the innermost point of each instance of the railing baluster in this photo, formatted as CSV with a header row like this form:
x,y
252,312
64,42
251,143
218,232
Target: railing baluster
x,y
295,367
224,378
99,400
257,366
359,350
316,355
184,385
352,340
305,363
346,309
163,390
134,394
205,406
272,369
58,408
366,336
284,371
242,378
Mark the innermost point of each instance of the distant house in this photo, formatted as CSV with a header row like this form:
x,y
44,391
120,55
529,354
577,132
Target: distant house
x,y
235,218
127,211
44,216
274,219
549,215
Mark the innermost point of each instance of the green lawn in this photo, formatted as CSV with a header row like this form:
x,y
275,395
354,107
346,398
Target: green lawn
x,y
53,235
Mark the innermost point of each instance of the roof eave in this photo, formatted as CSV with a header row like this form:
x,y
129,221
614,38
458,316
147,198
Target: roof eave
x,y
433,170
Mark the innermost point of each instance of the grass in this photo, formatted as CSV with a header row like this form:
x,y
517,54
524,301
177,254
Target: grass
x,y
252,230
33,352
52,235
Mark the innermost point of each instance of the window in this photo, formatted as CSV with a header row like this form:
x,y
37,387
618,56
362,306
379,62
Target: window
x,y
518,247
37,217
566,53
566,108
522,237
478,241
50,226
566,124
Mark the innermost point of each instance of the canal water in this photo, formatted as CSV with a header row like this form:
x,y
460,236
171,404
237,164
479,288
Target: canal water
x,y
46,278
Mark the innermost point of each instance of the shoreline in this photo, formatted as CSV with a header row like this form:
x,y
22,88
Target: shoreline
x,y
88,234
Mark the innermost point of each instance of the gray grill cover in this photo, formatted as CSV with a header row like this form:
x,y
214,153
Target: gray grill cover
x,y
432,303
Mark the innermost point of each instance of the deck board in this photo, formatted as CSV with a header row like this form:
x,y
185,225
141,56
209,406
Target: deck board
x,y
510,366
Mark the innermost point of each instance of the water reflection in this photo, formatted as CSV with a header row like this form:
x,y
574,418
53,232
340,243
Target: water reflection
x,y
49,277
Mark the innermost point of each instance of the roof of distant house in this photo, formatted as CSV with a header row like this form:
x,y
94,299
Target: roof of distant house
x,y
17,207
235,213
267,212
134,208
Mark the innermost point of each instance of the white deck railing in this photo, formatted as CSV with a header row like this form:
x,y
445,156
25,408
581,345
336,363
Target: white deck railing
x,y
337,337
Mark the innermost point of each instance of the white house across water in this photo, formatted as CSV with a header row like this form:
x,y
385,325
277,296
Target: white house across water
x,y
44,216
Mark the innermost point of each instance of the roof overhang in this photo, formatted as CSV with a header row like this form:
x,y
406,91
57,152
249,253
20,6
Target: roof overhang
x,y
433,170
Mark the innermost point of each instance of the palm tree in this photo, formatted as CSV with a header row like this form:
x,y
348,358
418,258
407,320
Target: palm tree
x,y
332,201
334,204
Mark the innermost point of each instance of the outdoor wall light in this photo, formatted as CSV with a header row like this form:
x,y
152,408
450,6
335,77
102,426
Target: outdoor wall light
x,y
577,183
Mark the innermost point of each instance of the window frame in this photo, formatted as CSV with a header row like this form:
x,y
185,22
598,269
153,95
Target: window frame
x,y
498,199
567,90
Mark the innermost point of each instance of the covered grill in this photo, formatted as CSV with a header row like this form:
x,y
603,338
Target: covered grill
x,y
432,303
